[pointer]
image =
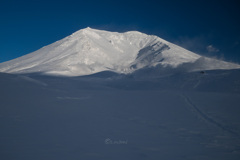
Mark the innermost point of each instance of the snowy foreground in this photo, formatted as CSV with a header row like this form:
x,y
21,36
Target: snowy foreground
x,y
106,116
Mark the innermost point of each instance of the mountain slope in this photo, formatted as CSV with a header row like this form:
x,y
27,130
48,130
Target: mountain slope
x,y
89,51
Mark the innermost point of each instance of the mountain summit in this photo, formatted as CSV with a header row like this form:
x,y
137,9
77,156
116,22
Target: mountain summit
x,y
89,51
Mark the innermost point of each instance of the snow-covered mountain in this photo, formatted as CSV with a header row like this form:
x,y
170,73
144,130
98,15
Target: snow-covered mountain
x,y
184,116
89,51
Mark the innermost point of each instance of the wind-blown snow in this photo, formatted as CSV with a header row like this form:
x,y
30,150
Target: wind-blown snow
x,y
89,51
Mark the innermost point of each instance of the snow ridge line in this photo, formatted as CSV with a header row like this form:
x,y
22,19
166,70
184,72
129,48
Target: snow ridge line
x,y
207,118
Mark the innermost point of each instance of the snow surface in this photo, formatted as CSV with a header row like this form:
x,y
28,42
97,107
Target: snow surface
x,y
90,51
139,97
109,116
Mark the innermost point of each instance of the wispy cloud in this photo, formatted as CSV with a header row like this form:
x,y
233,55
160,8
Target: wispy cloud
x,y
196,44
212,49
202,45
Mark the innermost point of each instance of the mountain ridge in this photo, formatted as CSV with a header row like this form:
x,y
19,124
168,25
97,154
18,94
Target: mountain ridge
x,y
90,51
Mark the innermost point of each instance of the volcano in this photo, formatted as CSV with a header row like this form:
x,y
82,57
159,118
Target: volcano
x,y
90,51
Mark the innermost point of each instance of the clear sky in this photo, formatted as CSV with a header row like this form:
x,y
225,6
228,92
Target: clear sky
x,y
210,28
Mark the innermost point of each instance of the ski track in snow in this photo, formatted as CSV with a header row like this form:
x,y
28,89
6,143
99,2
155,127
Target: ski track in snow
x,y
207,118
73,98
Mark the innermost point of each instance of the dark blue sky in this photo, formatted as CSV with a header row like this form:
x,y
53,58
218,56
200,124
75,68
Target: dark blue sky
x,y
210,28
